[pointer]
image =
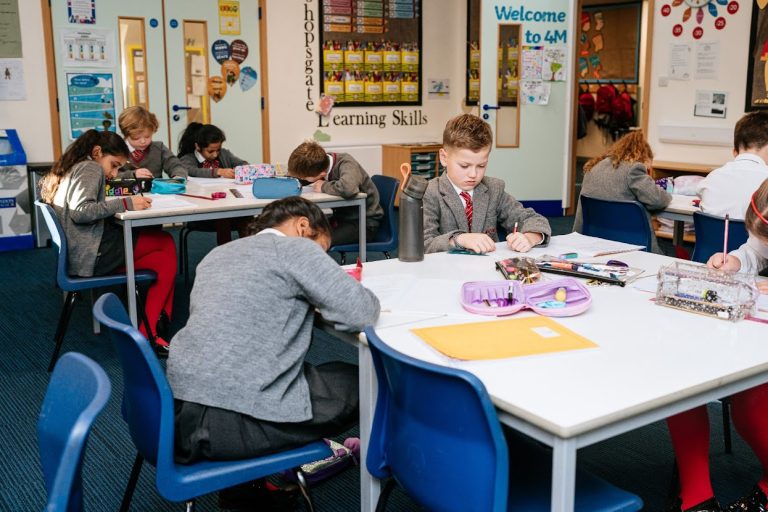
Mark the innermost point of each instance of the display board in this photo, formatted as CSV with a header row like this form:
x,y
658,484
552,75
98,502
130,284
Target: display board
x,y
609,43
757,75
371,52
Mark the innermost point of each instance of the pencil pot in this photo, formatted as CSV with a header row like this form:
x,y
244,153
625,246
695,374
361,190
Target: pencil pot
x,y
411,226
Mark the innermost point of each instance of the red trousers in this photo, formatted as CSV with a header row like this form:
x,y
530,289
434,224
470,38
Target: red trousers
x,y
690,438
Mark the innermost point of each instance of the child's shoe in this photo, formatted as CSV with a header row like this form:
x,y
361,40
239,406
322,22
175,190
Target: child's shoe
x,y
755,501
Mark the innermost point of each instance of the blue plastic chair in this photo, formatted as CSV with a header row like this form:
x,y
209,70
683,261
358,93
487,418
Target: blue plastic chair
x,y
386,237
148,410
74,285
622,221
709,235
436,432
77,392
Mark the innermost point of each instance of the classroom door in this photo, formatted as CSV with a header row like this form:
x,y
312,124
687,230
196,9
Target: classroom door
x,y
184,60
526,84
213,59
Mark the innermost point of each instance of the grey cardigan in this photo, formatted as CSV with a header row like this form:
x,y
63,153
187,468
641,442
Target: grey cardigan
x,y
492,206
250,324
82,209
346,179
227,160
157,159
627,182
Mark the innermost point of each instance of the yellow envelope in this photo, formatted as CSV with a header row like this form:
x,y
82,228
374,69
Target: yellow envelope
x,y
503,338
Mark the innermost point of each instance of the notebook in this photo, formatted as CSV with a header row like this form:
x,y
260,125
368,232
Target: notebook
x,y
590,246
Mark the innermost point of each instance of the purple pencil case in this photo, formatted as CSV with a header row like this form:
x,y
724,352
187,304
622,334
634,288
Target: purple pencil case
x,y
501,298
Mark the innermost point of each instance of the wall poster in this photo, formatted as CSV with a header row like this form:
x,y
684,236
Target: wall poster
x,y
757,70
91,102
371,52
609,43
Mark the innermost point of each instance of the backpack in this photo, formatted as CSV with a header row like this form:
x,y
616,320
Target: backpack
x,y
587,102
605,96
621,109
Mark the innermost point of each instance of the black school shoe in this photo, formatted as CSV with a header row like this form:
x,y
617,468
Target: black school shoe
x,y
163,326
755,501
257,497
711,505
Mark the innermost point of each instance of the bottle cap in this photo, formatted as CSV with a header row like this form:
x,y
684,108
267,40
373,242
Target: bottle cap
x,y
415,187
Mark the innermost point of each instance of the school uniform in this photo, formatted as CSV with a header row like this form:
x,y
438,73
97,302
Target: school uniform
x,y
346,178
753,255
729,189
157,158
445,215
197,165
237,368
627,182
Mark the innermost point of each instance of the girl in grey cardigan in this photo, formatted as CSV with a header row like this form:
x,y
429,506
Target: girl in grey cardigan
x,y
237,369
202,154
75,189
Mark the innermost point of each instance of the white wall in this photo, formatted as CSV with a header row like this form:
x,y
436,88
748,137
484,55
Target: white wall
x,y
31,117
672,105
291,121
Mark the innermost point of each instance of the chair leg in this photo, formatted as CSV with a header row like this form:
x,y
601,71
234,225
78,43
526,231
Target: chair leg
x,y
381,505
61,328
386,255
343,258
143,315
189,506
185,250
135,471
726,402
96,324
180,267
304,488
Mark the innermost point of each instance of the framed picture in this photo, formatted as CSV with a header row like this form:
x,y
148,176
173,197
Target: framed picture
x,y
757,73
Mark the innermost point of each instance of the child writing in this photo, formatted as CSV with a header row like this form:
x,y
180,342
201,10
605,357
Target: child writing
x,y
621,174
237,369
200,152
75,188
463,206
690,430
727,190
147,159
338,174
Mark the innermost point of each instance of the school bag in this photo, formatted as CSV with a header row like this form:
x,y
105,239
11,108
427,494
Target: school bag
x,y
587,102
605,96
621,110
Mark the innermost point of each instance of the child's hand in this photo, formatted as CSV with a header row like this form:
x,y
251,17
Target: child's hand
x,y
762,286
478,242
523,242
143,173
732,263
140,202
226,173
318,185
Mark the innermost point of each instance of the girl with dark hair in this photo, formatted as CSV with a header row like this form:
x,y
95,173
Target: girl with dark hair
x,y
75,188
201,153
237,369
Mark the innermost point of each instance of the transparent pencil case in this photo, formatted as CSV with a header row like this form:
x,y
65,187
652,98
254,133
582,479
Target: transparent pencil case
x,y
559,297
706,291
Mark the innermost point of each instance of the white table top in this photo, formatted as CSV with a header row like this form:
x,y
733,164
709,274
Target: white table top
x,y
682,204
647,355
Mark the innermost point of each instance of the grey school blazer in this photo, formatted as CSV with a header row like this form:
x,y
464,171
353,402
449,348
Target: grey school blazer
x,y
444,213
158,159
227,160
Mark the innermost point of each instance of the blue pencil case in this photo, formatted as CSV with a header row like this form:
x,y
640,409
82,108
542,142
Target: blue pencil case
x,y
169,185
275,187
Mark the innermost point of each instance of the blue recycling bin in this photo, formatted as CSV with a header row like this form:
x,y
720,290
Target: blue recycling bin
x,y
15,204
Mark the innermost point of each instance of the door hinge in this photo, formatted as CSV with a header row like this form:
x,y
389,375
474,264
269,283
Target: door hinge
x,y
57,104
259,12
262,103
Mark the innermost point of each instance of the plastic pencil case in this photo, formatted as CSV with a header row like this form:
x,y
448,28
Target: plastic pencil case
x,y
501,298
275,188
245,174
127,186
169,185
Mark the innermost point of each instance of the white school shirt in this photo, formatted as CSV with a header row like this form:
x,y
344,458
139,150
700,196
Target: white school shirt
x,y
753,255
459,191
728,189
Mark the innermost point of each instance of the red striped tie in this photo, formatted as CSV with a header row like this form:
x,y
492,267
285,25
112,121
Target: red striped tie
x,y
467,208
138,155
211,164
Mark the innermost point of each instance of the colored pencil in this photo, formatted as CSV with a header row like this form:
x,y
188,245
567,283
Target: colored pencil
x,y
725,238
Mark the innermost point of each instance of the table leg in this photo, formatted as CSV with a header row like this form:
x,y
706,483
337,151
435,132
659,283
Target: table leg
x,y
361,233
678,230
130,271
563,475
370,487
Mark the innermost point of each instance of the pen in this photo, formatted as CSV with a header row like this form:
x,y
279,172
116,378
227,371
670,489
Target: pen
x,y
514,230
199,197
725,238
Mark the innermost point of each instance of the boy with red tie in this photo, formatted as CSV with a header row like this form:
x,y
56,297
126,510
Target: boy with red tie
x,y
148,159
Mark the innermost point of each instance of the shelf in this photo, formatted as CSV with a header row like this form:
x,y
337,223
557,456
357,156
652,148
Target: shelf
x,y
689,238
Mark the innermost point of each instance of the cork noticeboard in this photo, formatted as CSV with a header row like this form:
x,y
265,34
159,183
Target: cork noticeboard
x,y
609,43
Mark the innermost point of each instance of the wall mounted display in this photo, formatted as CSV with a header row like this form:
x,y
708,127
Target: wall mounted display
x,y
371,52
91,102
701,13
757,71
609,43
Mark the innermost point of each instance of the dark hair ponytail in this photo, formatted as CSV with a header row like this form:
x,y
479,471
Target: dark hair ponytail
x,y
200,134
109,142
277,212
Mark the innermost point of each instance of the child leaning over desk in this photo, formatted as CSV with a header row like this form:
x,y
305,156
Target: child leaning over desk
x,y
690,430
147,159
463,206
75,188
202,154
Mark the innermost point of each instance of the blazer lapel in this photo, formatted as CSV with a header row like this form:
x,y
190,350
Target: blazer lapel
x,y
453,202
480,199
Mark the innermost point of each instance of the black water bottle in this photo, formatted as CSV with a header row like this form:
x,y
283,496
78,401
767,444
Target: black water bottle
x,y
411,231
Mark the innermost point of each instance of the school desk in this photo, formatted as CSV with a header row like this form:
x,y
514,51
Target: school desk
x,y
680,210
650,361
194,208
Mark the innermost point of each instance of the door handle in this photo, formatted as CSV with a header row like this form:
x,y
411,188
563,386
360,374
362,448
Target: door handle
x,y
176,108
490,107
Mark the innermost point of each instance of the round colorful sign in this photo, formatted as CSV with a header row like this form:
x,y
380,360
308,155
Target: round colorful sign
x,y
217,88
230,70
220,50
248,78
238,50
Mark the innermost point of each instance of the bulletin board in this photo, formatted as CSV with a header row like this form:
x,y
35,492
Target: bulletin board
x,y
609,43
757,69
371,52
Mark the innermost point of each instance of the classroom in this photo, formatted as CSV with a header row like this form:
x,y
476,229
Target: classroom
x,y
384,255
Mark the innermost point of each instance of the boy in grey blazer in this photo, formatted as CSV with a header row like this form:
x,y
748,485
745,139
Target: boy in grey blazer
x,y
463,206
148,159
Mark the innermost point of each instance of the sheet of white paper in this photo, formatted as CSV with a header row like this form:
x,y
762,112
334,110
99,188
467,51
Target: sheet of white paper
x,y
587,246
762,302
165,202
646,284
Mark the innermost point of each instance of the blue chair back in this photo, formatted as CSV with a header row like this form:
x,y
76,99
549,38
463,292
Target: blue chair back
x,y
59,239
622,221
709,235
387,233
77,392
147,397
436,432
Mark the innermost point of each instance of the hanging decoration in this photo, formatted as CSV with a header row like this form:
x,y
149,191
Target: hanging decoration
x,y
699,11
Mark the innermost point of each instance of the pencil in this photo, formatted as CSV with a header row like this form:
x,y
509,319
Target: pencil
x,y
514,229
725,238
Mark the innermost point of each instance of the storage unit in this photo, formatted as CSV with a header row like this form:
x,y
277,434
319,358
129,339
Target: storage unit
x,y
423,158
661,169
15,204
